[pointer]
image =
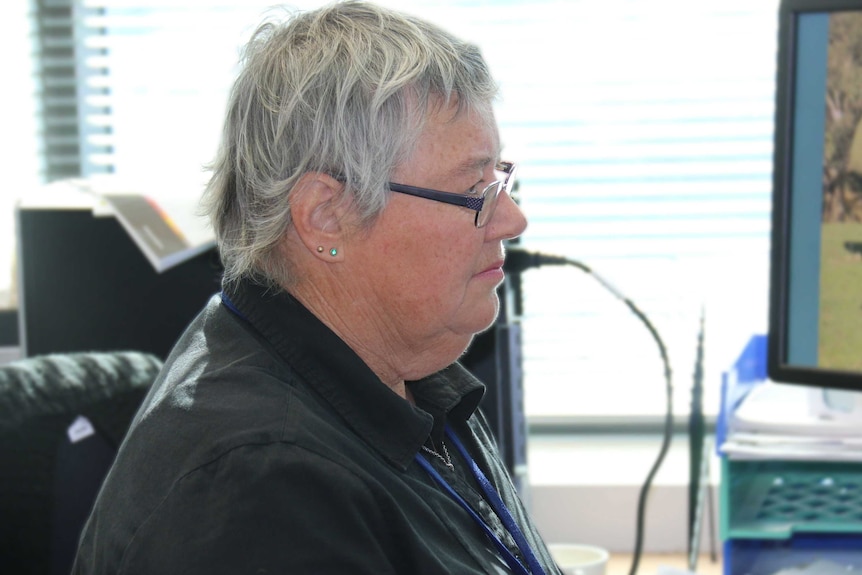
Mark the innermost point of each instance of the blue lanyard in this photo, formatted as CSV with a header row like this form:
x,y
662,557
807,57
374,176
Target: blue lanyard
x,y
230,305
494,499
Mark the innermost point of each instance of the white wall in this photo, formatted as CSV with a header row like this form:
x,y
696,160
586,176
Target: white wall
x,y
586,489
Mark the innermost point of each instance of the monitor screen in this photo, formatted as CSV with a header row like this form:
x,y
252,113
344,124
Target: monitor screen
x,y
815,325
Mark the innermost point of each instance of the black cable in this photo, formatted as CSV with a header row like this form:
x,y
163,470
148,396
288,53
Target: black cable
x,y
517,261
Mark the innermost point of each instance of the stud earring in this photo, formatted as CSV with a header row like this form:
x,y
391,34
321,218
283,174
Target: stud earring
x,y
333,252
320,249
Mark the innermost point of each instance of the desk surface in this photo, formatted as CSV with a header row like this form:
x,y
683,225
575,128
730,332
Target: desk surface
x,y
620,563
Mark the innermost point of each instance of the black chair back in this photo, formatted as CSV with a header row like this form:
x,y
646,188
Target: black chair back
x,y
62,419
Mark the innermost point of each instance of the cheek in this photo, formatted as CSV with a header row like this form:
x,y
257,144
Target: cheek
x,y
437,274
428,261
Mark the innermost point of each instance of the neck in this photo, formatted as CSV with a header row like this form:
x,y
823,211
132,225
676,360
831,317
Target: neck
x,y
357,313
357,332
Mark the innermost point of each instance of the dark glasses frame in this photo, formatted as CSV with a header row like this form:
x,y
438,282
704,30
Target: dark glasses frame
x,y
483,204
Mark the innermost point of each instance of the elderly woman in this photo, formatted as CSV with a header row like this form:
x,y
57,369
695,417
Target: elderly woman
x,y
313,418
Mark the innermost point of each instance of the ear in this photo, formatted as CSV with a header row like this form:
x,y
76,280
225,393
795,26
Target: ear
x,y
318,210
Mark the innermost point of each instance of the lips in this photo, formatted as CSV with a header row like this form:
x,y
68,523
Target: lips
x,y
496,266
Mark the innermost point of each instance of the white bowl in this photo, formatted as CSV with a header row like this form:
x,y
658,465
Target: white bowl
x,y
578,559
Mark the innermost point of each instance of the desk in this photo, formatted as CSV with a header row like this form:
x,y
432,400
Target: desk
x,y
620,563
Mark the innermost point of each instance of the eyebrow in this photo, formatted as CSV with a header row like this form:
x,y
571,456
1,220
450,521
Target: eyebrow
x,y
473,164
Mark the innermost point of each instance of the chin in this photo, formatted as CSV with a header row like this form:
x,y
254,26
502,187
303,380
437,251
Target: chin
x,y
495,309
474,317
487,318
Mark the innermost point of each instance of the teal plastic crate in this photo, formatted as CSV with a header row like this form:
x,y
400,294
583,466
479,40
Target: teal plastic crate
x,y
777,499
783,515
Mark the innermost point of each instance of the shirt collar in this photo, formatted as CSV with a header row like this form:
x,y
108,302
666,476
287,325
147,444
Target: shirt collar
x,y
387,422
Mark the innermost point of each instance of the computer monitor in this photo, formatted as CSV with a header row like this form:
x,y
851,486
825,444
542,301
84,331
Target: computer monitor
x,y
86,286
815,325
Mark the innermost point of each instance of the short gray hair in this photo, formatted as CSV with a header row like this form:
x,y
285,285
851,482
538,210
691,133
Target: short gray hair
x,y
343,90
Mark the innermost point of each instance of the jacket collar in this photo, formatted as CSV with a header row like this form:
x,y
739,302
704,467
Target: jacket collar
x,y
388,423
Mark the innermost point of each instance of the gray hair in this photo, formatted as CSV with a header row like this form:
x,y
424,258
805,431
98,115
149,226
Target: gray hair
x,y
343,90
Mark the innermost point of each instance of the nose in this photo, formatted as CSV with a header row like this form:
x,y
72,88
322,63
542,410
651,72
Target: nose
x,y
508,221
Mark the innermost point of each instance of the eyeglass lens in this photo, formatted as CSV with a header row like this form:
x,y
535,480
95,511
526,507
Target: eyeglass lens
x,y
490,195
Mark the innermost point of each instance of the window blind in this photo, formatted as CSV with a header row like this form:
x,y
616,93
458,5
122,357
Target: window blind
x,y
72,115
646,141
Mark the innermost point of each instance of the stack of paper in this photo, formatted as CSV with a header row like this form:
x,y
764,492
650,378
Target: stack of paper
x,y
776,421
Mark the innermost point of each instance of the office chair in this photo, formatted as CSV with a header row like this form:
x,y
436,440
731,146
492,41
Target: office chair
x,y
62,418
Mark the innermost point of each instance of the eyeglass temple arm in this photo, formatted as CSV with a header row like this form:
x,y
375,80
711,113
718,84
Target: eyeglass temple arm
x,y
454,199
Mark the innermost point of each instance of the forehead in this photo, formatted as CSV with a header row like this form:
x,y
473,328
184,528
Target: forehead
x,y
458,142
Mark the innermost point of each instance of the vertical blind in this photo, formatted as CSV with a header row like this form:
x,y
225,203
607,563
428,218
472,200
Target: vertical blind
x,y
643,130
72,114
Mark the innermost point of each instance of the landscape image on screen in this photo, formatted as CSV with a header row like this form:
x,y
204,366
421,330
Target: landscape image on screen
x,y
840,328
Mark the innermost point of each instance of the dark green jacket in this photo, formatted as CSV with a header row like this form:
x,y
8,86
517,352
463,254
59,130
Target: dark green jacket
x,y
267,446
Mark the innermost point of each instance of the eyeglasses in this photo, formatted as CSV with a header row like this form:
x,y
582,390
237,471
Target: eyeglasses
x,y
484,204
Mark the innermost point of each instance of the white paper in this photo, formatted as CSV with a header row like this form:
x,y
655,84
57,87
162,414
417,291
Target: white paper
x,y
775,421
